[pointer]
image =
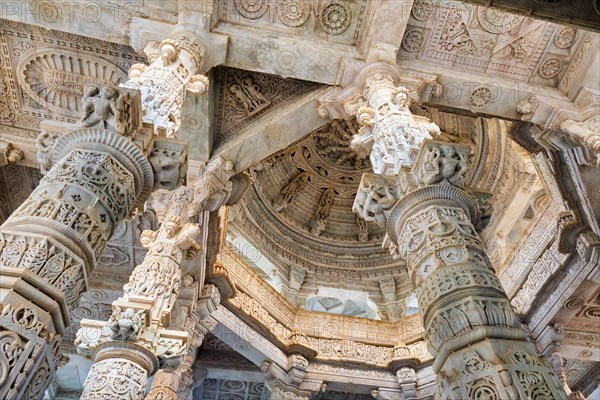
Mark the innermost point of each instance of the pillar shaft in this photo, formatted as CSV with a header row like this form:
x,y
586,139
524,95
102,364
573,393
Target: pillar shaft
x,y
479,344
161,311
49,245
418,191
100,173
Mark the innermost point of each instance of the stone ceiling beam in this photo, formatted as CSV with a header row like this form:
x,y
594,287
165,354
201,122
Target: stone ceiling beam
x,y
244,339
273,132
578,14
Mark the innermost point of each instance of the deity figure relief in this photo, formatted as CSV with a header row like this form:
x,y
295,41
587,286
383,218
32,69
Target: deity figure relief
x,y
247,94
319,221
445,163
372,200
104,107
168,168
287,193
126,324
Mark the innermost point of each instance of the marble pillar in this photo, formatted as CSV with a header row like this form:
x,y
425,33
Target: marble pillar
x,y
419,193
481,349
49,245
157,323
96,176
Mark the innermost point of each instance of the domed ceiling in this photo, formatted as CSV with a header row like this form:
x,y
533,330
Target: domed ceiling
x,y
299,213
296,227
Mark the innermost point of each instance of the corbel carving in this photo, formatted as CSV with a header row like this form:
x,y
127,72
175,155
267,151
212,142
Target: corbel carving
x,y
376,195
9,154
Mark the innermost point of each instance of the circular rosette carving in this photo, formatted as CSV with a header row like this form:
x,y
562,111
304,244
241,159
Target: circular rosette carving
x,y
480,97
565,37
422,9
293,12
233,386
550,68
454,255
335,18
413,40
252,9
58,81
497,21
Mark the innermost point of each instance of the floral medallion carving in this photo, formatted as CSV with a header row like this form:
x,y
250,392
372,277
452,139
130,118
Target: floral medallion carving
x,y
252,9
550,68
293,12
413,40
422,9
480,97
497,21
565,37
58,82
335,18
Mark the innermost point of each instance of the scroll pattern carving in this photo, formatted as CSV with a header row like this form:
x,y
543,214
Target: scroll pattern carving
x,y
115,379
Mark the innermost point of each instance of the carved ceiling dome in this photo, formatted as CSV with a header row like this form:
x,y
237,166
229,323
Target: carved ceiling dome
x,y
307,194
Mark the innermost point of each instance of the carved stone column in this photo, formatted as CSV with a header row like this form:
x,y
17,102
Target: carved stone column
x,y
161,313
49,245
138,330
479,344
193,317
101,173
285,385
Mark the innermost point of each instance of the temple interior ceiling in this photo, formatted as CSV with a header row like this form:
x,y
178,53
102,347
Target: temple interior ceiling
x,y
298,271
484,40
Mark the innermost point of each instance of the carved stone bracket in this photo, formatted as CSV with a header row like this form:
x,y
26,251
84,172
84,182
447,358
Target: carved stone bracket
x,y
164,82
9,154
375,197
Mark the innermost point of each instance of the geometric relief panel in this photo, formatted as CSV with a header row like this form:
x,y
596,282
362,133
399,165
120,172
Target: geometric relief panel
x,y
488,40
242,96
221,389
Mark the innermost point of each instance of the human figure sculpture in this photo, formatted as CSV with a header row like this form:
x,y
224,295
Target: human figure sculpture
x,y
103,107
127,324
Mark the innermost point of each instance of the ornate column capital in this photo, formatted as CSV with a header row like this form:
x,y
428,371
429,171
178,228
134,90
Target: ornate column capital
x,y
174,68
371,84
407,378
565,126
